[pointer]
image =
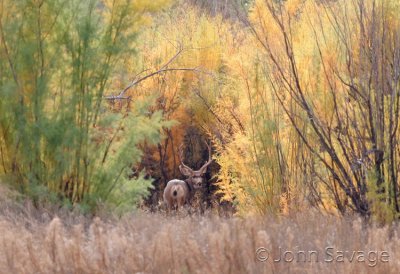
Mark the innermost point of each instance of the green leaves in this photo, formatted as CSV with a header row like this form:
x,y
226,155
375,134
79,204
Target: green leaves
x,y
57,135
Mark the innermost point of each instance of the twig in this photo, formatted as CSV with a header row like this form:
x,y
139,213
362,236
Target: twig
x,y
163,68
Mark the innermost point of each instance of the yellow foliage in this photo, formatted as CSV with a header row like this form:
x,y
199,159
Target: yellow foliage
x,y
226,91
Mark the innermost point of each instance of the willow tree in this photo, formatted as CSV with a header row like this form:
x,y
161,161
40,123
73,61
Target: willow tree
x,y
334,67
57,137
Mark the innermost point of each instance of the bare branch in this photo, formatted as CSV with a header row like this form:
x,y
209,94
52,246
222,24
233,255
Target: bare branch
x,y
163,69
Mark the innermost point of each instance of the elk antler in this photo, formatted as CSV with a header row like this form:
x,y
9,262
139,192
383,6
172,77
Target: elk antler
x,y
181,158
204,167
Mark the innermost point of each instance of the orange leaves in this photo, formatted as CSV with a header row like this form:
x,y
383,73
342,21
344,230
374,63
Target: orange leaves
x,y
294,7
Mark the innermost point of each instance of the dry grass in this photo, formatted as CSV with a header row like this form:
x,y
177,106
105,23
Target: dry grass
x,y
154,243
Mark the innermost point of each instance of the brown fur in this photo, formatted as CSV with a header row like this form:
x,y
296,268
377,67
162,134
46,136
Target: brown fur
x,y
176,194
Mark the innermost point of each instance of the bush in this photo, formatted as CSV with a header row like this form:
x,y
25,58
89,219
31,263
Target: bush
x,y
57,134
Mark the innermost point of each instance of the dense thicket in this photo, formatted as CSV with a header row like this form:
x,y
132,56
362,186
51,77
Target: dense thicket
x,y
299,98
59,141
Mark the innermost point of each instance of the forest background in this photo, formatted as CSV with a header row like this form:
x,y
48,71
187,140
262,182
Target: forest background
x,y
300,100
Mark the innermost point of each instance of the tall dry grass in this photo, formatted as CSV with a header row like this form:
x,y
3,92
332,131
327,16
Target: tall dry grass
x,y
154,243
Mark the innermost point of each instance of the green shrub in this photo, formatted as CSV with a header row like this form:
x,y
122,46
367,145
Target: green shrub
x,y
58,137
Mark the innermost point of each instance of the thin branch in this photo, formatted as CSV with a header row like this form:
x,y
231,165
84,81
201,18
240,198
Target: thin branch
x,y
136,82
164,68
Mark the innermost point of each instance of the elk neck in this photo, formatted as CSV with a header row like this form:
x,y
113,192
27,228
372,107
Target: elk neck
x,y
189,184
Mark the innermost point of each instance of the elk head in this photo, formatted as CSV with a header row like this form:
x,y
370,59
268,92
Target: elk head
x,y
195,177
178,192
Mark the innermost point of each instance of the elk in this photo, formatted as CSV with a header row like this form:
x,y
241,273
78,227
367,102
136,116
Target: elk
x,y
178,192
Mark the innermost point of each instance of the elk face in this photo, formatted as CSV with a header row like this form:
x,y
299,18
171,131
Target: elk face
x,y
195,177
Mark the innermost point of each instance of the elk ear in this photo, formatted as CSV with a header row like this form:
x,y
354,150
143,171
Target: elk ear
x,y
185,171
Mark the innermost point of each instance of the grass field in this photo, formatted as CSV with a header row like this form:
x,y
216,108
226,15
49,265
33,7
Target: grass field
x,y
154,243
